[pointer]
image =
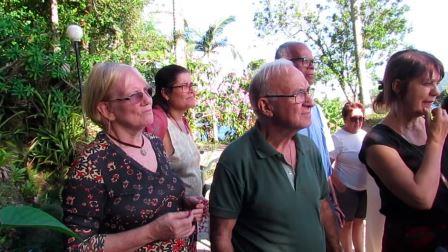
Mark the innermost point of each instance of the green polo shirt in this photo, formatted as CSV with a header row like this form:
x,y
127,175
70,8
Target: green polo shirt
x,y
251,186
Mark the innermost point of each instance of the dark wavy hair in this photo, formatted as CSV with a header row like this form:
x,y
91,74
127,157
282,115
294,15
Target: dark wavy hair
x,y
405,66
165,78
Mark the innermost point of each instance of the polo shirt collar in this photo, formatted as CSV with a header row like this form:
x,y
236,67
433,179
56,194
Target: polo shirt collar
x,y
262,147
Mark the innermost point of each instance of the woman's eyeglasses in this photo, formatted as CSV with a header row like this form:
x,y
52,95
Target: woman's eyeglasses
x,y
186,87
136,97
356,118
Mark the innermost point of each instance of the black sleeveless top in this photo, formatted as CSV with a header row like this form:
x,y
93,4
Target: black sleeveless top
x,y
412,155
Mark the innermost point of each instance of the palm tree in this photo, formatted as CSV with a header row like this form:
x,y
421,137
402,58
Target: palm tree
x,y
212,39
208,43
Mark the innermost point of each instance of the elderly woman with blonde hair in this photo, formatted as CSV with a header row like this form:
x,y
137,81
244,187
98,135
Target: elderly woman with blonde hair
x,y
120,194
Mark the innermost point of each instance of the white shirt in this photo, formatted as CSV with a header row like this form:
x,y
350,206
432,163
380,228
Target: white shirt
x,y
350,171
185,160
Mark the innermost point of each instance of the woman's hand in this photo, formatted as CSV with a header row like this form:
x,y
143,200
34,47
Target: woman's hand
x,y
437,128
172,226
338,185
198,205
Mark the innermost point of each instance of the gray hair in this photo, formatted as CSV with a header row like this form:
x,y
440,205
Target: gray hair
x,y
260,84
283,49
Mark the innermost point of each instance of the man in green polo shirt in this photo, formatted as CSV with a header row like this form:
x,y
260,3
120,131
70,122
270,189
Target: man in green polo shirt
x,y
269,185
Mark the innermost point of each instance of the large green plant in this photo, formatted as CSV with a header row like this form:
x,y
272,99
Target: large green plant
x,y
40,115
25,216
43,231
332,109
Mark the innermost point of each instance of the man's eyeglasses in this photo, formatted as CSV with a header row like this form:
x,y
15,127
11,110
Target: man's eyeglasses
x,y
299,97
137,96
186,87
304,61
357,119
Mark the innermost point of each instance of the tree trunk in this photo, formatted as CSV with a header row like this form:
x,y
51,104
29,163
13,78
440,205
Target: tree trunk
x,y
178,35
54,25
361,71
92,42
215,127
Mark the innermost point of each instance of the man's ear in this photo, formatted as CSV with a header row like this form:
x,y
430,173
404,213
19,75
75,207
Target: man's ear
x,y
396,86
105,111
264,107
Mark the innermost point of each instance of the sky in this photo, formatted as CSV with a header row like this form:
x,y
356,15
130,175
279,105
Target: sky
x,y
241,33
426,17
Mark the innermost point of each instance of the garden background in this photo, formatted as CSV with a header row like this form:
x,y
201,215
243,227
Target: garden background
x,y
41,122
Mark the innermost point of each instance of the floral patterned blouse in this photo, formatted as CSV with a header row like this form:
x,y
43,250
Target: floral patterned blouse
x,y
109,192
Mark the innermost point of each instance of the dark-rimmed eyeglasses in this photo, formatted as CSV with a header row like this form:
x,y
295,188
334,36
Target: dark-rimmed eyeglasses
x,y
136,97
299,96
304,61
356,118
186,87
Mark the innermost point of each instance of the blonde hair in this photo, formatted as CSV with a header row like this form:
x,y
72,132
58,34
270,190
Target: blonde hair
x,y
101,78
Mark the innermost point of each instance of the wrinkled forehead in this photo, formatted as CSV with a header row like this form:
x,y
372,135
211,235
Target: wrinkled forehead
x,y
129,79
288,79
300,50
132,76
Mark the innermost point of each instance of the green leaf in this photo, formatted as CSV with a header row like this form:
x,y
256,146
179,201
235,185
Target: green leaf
x,y
25,216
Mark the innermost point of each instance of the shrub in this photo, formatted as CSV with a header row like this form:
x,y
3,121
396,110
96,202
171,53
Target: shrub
x,y
332,109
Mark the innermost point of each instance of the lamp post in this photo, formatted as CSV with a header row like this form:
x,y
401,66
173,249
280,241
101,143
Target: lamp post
x,y
74,33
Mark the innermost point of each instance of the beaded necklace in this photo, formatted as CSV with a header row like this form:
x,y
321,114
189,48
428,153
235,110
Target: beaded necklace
x,y
142,151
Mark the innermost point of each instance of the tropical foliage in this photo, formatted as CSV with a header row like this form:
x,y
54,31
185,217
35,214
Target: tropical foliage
x,y
41,125
332,110
41,122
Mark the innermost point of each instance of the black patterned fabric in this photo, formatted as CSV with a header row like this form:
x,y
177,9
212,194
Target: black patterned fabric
x,y
109,192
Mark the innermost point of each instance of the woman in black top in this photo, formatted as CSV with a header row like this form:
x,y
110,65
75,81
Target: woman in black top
x,y
403,154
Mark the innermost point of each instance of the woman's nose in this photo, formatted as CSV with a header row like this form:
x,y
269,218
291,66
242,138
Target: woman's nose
x,y
436,91
147,99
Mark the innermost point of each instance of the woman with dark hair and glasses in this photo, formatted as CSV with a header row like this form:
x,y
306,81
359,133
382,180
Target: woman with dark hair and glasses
x,y
120,194
403,154
350,175
175,95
